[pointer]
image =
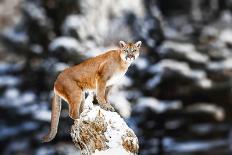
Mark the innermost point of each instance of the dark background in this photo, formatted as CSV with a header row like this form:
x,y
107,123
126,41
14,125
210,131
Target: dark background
x,y
177,96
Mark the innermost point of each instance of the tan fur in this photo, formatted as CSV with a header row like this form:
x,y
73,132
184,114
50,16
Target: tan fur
x,y
97,73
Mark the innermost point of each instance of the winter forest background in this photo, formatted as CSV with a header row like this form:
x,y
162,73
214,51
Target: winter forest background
x,y
177,97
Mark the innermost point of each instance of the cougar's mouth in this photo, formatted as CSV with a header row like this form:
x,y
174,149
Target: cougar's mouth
x,y
130,57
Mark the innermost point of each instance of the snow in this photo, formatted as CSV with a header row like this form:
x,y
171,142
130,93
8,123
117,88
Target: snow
x,y
226,36
186,49
71,22
66,42
205,83
170,64
12,93
226,17
215,110
28,97
7,80
42,111
227,63
113,151
66,149
5,67
207,128
116,127
173,124
15,36
221,65
28,108
7,131
202,128
43,115
92,50
35,12
118,99
15,99
167,65
194,145
60,66
125,82
38,49
45,150
156,105
18,145
170,32
141,63
153,82
103,30
210,31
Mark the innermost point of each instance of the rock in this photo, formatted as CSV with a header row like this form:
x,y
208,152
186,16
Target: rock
x,y
155,105
66,49
10,12
181,84
36,13
226,36
182,51
102,30
174,69
101,132
67,43
221,65
217,112
15,36
70,25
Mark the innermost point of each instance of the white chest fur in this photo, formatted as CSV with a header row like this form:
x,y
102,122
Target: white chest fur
x,y
115,78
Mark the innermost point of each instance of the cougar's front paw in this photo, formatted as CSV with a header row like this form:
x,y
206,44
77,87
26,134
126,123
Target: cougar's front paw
x,y
107,107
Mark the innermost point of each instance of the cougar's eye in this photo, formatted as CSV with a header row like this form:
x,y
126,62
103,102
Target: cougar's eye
x,y
126,51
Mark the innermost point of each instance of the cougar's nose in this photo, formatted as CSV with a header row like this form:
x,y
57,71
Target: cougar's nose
x,y
130,56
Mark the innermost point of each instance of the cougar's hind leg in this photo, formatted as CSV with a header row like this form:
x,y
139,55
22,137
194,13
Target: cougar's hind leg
x,y
74,97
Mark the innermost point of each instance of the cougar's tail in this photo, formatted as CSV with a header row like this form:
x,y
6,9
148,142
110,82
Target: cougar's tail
x,y
56,108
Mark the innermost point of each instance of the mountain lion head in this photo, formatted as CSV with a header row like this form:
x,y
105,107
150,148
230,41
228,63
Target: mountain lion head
x,y
129,51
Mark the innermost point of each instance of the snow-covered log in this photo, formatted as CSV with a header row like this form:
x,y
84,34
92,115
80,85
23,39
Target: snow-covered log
x,y
101,132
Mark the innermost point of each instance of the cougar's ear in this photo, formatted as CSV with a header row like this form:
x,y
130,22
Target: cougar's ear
x,y
138,44
122,44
